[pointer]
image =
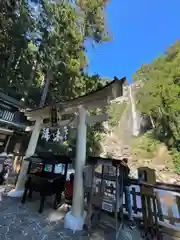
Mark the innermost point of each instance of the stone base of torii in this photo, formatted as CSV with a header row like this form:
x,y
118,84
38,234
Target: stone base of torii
x,y
74,219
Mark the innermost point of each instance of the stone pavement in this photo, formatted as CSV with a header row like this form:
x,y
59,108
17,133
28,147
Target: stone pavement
x,y
21,222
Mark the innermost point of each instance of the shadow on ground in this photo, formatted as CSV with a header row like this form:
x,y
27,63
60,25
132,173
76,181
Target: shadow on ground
x,y
21,222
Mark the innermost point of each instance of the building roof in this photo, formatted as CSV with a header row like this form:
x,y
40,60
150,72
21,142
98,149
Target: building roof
x,y
10,100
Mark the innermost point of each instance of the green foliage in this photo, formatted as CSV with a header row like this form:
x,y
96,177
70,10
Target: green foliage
x,y
61,51
159,95
94,137
13,45
115,112
145,146
176,159
52,40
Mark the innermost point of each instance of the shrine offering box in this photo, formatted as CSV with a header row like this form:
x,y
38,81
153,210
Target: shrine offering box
x,y
46,175
49,166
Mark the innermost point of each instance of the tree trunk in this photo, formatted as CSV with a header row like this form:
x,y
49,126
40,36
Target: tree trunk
x,y
45,89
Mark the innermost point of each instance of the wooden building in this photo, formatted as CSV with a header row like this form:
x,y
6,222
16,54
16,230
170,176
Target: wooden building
x,y
13,138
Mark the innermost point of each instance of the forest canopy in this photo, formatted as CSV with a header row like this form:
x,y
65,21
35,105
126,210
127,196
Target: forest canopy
x,y
159,96
46,39
49,37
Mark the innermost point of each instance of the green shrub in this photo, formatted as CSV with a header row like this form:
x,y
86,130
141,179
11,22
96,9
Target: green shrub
x,y
145,146
176,159
115,113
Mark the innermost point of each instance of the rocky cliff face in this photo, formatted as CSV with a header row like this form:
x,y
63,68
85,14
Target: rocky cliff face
x,y
118,143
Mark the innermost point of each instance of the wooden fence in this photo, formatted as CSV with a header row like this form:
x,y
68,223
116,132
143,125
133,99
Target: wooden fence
x,y
167,195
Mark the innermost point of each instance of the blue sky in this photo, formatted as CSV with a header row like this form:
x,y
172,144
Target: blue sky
x,y
142,30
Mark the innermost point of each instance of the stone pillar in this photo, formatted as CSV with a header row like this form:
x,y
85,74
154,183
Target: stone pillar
x,y
74,219
19,189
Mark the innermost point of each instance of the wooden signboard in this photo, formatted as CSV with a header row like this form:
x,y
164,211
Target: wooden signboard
x,y
148,176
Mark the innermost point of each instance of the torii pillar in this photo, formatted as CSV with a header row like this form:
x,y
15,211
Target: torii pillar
x,y
75,219
19,189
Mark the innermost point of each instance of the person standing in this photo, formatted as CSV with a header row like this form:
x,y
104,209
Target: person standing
x,y
88,180
68,193
126,189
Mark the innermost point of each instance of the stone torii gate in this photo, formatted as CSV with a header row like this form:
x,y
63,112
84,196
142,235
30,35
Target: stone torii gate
x,y
79,106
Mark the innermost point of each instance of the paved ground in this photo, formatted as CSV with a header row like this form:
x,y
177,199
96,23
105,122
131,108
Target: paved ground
x,y
21,222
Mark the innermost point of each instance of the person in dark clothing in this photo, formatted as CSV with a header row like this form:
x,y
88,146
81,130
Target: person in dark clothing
x,y
126,188
68,193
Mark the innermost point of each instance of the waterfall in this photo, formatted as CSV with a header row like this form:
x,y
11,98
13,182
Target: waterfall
x,y
135,124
